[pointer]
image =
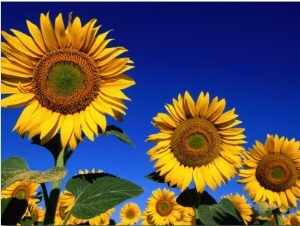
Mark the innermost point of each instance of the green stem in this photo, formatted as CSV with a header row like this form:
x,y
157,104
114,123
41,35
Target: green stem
x,y
60,161
277,216
66,218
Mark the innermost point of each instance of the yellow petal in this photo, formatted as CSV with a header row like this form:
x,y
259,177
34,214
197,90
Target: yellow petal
x,y
48,32
49,124
60,31
188,171
189,104
90,121
108,54
85,128
99,45
37,35
198,179
66,130
202,104
17,100
98,117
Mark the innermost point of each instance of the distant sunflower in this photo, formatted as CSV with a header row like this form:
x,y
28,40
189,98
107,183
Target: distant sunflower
x,y
187,217
272,171
22,190
146,218
36,213
163,208
102,219
244,208
130,214
197,142
292,219
67,79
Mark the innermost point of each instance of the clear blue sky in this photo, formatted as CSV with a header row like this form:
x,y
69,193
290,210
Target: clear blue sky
x,y
247,53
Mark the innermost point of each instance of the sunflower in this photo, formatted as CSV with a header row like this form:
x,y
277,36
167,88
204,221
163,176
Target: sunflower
x,y
22,190
36,213
67,79
272,172
163,208
102,219
146,218
244,208
197,142
187,217
130,214
292,219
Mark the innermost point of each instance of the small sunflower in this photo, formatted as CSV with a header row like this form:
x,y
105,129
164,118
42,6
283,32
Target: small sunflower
x,y
187,217
130,214
244,208
272,172
163,208
36,213
102,219
22,190
146,218
67,79
292,219
197,142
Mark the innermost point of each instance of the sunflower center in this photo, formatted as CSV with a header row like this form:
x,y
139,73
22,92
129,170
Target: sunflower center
x,y
66,81
163,208
130,214
21,194
65,78
276,172
196,142
294,220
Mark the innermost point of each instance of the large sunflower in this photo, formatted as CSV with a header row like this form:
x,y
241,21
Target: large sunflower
x,y
197,142
244,208
291,219
22,190
67,79
36,213
272,172
103,218
163,208
130,214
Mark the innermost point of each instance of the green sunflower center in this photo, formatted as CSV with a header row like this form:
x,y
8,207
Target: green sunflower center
x,y
66,81
130,214
65,78
21,194
276,172
196,142
163,208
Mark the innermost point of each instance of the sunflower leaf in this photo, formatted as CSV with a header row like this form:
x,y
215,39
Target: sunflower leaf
x,y
220,213
119,133
92,199
16,169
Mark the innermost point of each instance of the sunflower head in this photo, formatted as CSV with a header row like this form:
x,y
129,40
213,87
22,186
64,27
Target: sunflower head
x,y
66,77
22,190
292,219
271,172
244,208
36,213
130,213
162,207
197,141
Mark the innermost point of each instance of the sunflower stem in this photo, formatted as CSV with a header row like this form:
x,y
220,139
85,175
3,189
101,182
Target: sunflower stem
x,y
66,218
277,216
45,194
60,161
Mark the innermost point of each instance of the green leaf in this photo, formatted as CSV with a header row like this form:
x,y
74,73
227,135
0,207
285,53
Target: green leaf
x,y
220,213
92,199
15,169
117,132
12,210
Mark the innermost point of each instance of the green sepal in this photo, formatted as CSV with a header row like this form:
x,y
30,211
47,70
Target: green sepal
x,y
119,133
16,169
220,213
12,210
99,195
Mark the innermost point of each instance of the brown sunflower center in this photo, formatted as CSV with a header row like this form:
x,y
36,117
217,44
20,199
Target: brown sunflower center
x,y
21,192
66,81
196,142
276,172
163,207
130,214
294,220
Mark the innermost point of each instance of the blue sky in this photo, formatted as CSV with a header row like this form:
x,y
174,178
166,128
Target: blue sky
x,y
247,53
